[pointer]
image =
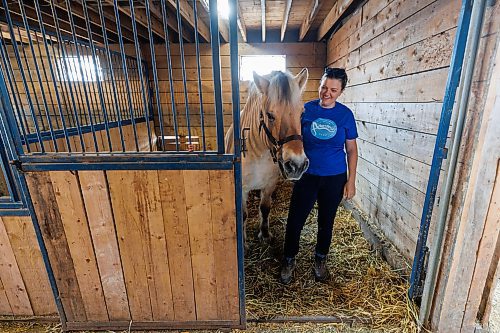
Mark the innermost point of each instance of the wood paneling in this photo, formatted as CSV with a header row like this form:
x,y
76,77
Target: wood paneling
x,y
397,55
29,260
141,245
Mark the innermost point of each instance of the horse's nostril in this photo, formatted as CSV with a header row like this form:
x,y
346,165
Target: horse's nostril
x,y
290,166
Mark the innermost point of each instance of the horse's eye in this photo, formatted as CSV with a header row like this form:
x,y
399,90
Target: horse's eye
x,y
270,116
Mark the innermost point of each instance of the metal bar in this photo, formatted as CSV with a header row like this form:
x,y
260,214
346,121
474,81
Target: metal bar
x,y
55,166
14,89
183,66
14,212
39,77
7,172
152,325
113,78
65,84
63,51
75,41
97,73
124,67
238,185
28,67
138,158
45,74
170,75
470,56
11,139
75,131
11,205
440,146
139,65
25,85
198,67
155,75
215,43
56,90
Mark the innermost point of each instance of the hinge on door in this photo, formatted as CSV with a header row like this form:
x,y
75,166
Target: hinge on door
x,y
17,164
243,141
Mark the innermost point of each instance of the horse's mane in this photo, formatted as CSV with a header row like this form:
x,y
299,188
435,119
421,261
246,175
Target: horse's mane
x,y
282,90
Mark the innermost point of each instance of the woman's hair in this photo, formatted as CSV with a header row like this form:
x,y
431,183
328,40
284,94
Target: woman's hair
x,y
336,73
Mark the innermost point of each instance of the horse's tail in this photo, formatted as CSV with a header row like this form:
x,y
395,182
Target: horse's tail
x,y
228,140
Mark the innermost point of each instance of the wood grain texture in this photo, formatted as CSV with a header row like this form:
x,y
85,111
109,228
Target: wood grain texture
x,y
49,218
29,259
73,216
101,224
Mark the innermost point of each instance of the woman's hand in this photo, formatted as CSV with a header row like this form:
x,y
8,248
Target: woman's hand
x,y
350,188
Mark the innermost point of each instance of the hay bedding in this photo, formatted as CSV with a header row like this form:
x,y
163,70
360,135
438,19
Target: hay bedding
x,y
362,285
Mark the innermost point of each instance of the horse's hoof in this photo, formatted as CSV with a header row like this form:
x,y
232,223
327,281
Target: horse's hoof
x,y
265,238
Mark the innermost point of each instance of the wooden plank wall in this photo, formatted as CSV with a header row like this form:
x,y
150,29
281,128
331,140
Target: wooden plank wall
x,y
471,250
24,284
141,245
298,56
397,55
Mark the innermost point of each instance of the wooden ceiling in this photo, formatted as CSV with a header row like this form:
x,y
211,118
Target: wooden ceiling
x,y
258,20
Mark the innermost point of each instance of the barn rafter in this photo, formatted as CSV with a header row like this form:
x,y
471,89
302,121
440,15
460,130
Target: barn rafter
x,y
286,14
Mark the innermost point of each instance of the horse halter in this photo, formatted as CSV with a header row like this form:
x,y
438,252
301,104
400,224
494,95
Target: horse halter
x,y
276,145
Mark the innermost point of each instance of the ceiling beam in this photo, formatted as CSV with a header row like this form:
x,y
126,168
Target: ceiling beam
x,y
284,22
263,19
95,19
335,13
309,18
140,17
224,29
171,22
187,14
241,25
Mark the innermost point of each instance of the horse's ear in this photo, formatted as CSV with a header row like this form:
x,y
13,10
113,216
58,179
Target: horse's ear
x,y
261,82
301,78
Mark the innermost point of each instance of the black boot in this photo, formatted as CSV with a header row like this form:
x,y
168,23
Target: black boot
x,y
321,273
287,268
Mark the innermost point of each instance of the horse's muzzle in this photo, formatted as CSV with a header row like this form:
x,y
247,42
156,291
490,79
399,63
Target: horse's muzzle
x,y
293,170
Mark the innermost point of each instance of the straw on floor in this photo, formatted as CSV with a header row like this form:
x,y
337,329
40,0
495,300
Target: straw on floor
x,y
362,285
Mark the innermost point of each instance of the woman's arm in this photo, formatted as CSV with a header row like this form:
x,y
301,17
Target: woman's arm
x,y
352,162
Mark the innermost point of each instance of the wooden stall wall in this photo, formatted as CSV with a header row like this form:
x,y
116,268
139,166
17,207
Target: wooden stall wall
x,y
298,56
24,285
397,55
471,250
141,245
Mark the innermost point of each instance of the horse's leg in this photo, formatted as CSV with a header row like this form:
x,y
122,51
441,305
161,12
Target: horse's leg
x,y
265,208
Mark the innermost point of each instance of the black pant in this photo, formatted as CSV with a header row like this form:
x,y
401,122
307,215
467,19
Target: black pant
x,y
328,190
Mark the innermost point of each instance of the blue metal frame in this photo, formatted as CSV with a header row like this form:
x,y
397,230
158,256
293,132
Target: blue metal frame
x,y
440,150
11,138
215,43
235,85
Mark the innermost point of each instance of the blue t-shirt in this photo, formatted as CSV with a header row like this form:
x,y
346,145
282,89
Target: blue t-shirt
x,y
325,132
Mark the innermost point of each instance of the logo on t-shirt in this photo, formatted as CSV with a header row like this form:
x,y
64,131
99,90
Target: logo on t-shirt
x,y
323,129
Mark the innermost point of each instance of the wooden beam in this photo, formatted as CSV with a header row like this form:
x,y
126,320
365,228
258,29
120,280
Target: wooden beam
x,y
224,29
171,22
95,19
140,18
284,22
188,15
241,25
309,18
263,10
337,10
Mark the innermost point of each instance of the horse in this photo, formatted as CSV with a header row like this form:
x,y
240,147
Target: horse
x,y
271,132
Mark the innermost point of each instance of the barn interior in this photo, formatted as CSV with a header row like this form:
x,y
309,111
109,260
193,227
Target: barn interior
x,y
104,100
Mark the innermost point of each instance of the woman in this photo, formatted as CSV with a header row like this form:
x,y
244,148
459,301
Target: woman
x,y
329,133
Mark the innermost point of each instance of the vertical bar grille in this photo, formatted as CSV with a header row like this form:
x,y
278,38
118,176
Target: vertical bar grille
x,y
115,76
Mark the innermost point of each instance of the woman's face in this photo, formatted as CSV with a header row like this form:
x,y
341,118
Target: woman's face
x,y
329,91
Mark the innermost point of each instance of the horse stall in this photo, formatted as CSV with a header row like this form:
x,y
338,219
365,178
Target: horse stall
x,y
121,202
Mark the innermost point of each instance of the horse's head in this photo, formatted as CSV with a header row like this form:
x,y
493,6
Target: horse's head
x,y
280,113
